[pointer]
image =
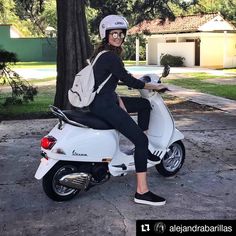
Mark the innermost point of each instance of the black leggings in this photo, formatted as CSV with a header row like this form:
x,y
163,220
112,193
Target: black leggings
x,y
122,122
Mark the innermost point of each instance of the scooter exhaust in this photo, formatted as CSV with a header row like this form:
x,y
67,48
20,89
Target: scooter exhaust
x,y
76,180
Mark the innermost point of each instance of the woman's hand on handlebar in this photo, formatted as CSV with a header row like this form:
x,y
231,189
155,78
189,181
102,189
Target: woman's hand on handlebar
x,y
156,87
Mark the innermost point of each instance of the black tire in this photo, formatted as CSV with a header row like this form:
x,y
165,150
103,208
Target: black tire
x,y
53,188
172,162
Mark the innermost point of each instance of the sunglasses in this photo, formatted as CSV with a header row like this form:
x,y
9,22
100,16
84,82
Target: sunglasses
x,y
116,35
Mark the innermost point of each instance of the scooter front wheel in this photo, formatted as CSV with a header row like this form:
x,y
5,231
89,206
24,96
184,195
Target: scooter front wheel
x,y
173,160
53,188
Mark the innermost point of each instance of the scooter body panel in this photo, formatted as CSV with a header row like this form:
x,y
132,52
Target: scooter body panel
x,y
161,125
82,144
162,131
44,167
177,135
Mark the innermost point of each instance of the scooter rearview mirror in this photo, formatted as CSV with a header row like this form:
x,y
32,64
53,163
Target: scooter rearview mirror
x,y
166,71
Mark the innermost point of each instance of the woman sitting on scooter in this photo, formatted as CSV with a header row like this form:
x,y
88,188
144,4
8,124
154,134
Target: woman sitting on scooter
x,y
113,109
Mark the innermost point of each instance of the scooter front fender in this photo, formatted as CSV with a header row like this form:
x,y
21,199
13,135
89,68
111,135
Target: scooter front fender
x,y
44,167
177,135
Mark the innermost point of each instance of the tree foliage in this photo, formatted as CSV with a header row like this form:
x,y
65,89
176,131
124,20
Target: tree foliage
x,y
130,47
22,91
41,13
8,16
131,9
31,17
49,14
6,8
226,8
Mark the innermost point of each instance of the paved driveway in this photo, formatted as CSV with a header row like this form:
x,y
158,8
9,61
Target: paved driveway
x,y
203,189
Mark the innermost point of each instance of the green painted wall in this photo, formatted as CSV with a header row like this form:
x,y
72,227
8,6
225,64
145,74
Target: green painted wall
x,y
28,49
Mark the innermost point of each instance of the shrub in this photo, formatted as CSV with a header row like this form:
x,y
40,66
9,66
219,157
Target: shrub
x,y
167,59
22,91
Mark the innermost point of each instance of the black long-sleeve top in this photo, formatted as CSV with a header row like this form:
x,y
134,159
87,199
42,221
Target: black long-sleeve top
x,y
109,63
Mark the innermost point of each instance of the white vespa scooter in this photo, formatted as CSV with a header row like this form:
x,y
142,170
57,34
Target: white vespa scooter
x,y
82,151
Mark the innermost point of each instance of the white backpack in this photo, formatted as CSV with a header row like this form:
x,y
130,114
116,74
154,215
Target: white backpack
x,y
81,94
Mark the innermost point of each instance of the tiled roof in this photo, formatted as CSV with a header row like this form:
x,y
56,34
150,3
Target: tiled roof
x,y
179,25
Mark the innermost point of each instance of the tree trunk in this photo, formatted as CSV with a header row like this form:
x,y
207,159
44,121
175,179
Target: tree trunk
x,y
73,47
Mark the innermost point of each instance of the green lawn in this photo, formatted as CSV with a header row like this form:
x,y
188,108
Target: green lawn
x,y
230,70
198,82
45,97
37,108
25,65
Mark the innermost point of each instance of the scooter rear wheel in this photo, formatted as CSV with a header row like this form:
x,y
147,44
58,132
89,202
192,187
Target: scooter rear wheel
x,y
53,188
172,162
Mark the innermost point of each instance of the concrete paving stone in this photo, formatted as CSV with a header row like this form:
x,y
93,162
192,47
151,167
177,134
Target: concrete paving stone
x,y
224,104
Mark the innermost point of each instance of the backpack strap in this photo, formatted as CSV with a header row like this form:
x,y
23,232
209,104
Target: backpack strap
x,y
98,55
93,62
103,83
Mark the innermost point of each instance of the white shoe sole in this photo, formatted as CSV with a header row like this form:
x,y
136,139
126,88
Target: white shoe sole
x,y
154,162
149,203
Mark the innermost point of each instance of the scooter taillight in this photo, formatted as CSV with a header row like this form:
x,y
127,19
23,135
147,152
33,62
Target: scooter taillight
x,y
48,142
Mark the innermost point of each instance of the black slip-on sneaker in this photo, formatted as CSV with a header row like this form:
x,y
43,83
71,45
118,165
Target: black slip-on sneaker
x,y
153,158
149,198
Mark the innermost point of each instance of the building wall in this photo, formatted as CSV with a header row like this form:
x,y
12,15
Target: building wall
x,y
4,32
28,49
180,49
211,50
230,44
152,51
217,50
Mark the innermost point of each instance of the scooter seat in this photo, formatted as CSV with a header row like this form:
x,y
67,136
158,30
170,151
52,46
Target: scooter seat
x,y
87,118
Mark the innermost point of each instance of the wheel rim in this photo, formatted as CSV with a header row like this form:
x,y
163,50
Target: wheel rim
x,y
57,187
173,159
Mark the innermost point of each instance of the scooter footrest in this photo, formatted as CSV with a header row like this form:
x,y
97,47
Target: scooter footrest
x,y
122,166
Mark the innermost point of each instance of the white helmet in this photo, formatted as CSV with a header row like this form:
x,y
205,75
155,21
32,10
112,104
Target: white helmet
x,y
112,22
